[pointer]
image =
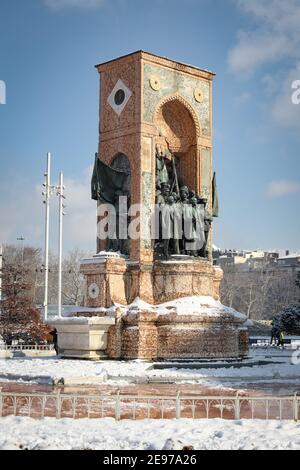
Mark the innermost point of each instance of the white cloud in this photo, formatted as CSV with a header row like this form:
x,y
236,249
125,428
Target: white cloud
x,y
255,49
282,188
83,4
275,39
25,215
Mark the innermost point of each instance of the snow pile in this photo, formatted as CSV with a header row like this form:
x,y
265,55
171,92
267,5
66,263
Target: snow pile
x,y
194,305
139,304
198,305
108,434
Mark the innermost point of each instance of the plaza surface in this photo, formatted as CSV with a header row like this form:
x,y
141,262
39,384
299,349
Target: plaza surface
x,y
268,372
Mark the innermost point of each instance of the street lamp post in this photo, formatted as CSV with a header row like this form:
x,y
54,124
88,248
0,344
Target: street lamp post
x,y
47,194
60,193
49,191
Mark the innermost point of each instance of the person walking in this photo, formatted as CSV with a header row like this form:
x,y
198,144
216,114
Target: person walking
x,y
274,335
53,333
281,340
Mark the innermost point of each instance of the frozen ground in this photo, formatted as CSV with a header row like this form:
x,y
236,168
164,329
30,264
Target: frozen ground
x,y
54,370
107,434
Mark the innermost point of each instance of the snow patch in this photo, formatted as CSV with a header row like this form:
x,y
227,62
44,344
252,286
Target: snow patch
x,y
107,434
198,305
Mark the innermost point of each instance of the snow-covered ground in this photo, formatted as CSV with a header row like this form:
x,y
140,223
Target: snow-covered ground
x,y
108,434
53,370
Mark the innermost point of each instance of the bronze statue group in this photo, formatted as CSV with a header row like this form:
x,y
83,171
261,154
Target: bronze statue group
x,y
184,217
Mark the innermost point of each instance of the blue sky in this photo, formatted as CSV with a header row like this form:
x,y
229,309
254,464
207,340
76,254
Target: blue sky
x,y
48,49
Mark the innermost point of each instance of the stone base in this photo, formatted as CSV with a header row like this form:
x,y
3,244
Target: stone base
x,y
81,354
175,279
111,279
191,337
194,324
210,331
83,338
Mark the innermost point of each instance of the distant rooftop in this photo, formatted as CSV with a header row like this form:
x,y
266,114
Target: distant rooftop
x,y
158,56
292,256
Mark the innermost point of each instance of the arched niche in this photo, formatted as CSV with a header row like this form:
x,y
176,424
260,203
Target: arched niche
x,y
178,130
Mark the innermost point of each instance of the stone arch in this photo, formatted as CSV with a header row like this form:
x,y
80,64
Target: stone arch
x,y
178,130
177,98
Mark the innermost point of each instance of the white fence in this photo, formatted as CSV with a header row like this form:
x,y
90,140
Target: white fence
x,y
135,407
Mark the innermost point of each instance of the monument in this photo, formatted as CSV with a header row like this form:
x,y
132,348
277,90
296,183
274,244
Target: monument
x,y
153,276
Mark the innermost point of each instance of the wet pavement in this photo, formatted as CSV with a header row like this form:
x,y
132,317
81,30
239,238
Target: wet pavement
x,y
258,388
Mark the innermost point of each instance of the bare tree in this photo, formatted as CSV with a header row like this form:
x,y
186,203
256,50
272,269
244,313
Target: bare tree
x,y
19,319
73,281
261,293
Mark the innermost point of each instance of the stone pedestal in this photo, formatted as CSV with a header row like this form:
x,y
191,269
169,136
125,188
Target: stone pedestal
x,y
174,279
198,337
111,279
187,328
209,330
104,275
83,338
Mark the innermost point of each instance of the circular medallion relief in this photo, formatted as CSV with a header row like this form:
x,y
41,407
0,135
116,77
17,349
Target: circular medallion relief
x,y
198,95
119,97
155,83
93,291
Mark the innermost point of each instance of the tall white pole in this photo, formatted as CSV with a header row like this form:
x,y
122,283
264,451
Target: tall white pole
x,y
47,218
60,241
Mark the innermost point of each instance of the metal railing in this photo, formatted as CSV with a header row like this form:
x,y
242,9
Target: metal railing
x,y
26,347
60,405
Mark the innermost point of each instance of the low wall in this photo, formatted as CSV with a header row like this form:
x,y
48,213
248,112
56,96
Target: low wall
x,y
83,338
149,336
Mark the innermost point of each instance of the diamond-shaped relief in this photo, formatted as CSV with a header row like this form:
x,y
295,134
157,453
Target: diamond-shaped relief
x,y
119,97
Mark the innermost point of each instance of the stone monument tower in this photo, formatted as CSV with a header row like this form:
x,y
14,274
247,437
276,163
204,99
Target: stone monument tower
x,y
150,104
155,148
